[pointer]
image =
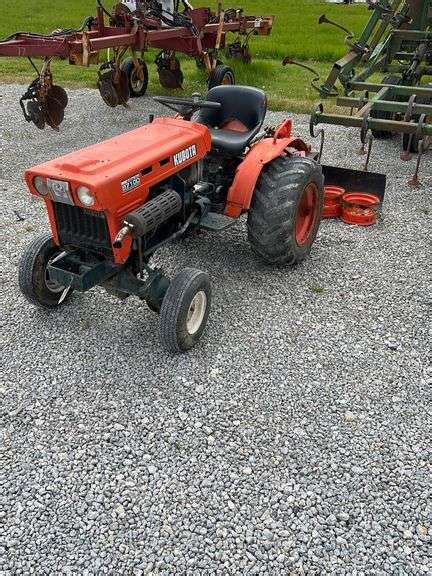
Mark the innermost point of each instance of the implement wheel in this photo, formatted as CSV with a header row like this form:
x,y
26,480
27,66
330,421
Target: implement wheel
x,y
185,310
286,210
137,85
222,75
34,280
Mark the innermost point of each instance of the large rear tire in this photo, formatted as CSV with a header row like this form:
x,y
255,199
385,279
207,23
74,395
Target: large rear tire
x,y
286,210
34,281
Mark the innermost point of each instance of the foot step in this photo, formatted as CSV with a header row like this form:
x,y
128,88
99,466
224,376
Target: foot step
x,y
216,222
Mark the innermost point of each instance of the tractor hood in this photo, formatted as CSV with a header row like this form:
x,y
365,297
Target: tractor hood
x,y
120,171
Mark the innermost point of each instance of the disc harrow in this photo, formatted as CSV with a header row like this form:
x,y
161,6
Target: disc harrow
x,y
129,33
44,103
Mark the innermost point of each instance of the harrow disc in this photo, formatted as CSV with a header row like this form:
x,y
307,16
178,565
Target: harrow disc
x,y
107,89
170,74
36,114
171,80
122,88
54,112
59,94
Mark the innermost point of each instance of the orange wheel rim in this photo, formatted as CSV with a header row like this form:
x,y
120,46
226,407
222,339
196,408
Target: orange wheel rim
x,y
307,213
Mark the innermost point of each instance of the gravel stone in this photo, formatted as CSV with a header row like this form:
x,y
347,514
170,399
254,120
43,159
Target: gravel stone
x,y
349,416
268,534
117,458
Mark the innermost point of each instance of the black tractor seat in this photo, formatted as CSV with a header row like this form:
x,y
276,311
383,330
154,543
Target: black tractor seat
x,y
239,119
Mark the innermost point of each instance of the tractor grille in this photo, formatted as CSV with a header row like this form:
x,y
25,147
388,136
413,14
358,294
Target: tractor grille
x,y
82,228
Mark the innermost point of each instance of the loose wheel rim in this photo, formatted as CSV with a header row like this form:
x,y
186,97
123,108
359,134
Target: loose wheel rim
x,y
196,312
52,285
307,211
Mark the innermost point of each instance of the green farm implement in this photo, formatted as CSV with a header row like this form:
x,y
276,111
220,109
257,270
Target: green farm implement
x,y
396,43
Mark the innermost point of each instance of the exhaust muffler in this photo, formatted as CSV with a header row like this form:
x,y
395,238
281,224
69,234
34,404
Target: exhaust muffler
x,y
149,216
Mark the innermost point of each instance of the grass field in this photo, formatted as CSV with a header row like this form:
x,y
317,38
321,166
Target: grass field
x,y
296,33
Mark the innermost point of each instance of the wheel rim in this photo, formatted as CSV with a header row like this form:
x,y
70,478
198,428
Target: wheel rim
x,y
307,212
196,312
52,286
227,80
136,84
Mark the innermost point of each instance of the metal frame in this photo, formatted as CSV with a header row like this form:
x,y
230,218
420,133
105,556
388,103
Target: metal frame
x,y
398,40
198,33
138,34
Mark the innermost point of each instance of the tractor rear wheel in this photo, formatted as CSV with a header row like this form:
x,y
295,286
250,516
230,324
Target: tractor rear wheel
x,y
185,310
286,209
222,75
34,280
137,86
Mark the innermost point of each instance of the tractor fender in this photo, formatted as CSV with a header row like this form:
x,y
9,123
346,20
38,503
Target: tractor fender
x,y
241,190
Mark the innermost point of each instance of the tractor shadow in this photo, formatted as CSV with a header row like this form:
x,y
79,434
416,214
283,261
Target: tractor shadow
x,y
219,252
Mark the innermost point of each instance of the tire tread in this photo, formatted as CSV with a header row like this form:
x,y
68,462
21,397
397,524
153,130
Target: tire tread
x,y
26,271
172,306
272,213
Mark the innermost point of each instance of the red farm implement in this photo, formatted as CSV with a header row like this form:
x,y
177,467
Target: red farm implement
x,y
127,34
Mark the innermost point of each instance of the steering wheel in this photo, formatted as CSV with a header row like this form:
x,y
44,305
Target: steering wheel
x,y
187,107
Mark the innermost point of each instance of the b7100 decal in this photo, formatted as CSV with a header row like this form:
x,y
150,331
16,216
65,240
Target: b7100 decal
x,y
131,183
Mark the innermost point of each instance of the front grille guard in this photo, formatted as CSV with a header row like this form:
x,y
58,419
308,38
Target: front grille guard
x,y
82,228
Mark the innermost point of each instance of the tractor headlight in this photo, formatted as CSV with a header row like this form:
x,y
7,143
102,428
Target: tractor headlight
x,y
41,186
85,196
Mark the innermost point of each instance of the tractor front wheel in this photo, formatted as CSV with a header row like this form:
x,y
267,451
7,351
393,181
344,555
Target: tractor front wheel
x,y
34,280
286,209
185,310
137,85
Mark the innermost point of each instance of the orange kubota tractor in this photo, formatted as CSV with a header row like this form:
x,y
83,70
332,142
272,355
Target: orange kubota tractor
x,y
113,204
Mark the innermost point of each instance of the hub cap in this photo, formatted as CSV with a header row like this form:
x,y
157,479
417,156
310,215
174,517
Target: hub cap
x,y
196,312
307,213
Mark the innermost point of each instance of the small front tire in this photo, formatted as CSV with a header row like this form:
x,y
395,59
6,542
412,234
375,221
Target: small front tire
x,y
33,277
185,310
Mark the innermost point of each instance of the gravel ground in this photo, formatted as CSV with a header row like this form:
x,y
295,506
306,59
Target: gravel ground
x,y
295,439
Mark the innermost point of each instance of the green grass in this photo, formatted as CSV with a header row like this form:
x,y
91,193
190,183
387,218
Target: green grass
x,y
295,34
